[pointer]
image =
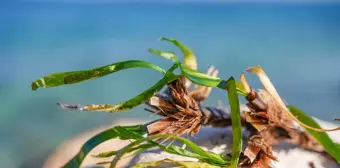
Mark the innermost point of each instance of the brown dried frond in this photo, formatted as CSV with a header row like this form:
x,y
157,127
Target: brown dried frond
x,y
269,87
263,106
262,161
274,125
181,109
181,112
257,153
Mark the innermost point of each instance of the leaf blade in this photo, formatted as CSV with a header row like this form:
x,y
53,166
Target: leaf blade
x,y
331,147
236,121
200,78
72,77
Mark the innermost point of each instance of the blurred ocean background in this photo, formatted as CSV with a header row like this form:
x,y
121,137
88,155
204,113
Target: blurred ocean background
x,y
297,44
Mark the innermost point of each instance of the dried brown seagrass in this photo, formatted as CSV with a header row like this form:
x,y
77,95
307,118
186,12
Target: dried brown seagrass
x,y
181,113
181,110
271,126
272,121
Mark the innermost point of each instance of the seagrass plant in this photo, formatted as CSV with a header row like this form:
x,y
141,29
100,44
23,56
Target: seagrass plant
x,y
182,113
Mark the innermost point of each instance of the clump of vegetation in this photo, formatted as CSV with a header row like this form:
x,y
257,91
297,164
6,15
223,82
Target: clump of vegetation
x,y
269,120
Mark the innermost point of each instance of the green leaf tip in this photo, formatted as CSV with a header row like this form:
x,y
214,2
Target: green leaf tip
x,y
165,54
182,47
35,85
189,56
231,80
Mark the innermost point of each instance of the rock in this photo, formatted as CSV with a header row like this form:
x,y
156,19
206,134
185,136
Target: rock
x,y
217,140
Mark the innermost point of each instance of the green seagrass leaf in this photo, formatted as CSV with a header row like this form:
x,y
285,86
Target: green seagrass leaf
x,y
72,77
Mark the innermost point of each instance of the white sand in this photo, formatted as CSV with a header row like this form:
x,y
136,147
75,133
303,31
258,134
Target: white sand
x,y
212,139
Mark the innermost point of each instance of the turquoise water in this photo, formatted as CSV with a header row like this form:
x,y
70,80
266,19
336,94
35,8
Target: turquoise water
x,y
297,45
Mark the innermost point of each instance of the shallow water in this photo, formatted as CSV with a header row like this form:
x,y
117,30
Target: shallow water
x,y
297,45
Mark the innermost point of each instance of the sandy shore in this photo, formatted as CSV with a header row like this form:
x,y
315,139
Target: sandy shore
x,y
212,139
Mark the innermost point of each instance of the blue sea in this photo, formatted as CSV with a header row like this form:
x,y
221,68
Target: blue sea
x,y
297,44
